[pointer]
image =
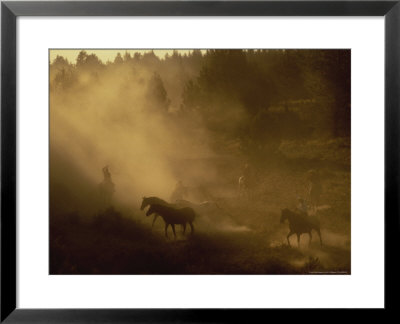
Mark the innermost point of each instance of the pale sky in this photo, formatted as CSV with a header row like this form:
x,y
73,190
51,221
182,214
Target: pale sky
x,y
104,55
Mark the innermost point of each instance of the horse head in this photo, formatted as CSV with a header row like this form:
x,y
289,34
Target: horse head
x,y
144,203
150,211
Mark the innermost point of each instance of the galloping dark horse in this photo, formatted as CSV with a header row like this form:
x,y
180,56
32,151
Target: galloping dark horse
x,y
147,201
299,224
173,216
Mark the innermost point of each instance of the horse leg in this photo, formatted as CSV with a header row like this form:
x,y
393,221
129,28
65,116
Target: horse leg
x,y
289,235
298,239
173,229
154,219
166,227
191,228
320,237
184,227
309,233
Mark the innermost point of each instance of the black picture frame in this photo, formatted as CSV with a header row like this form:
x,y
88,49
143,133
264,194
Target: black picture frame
x,y
9,13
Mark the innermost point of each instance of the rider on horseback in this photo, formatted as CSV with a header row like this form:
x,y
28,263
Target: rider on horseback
x,y
106,188
180,192
246,182
302,207
106,173
107,179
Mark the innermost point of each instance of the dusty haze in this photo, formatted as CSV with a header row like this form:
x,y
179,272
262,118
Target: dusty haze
x,y
204,119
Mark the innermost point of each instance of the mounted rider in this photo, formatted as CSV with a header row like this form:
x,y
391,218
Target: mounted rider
x,y
302,207
246,181
106,187
107,177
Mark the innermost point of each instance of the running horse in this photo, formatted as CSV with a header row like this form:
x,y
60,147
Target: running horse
x,y
147,201
299,224
173,216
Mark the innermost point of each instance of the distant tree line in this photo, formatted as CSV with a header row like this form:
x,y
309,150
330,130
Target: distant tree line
x,y
255,98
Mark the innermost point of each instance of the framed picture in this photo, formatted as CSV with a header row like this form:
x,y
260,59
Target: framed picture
x,y
176,160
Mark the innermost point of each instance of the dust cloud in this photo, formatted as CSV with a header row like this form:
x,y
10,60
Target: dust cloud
x,y
110,121
237,135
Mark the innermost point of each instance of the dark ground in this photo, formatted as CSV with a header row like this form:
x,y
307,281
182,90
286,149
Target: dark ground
x,y
242,237
110,243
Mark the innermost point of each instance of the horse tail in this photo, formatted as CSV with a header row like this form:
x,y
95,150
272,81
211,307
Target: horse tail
x,y
192,215
315,223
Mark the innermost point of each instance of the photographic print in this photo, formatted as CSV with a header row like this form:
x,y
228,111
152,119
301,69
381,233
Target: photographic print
x,y
200,161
